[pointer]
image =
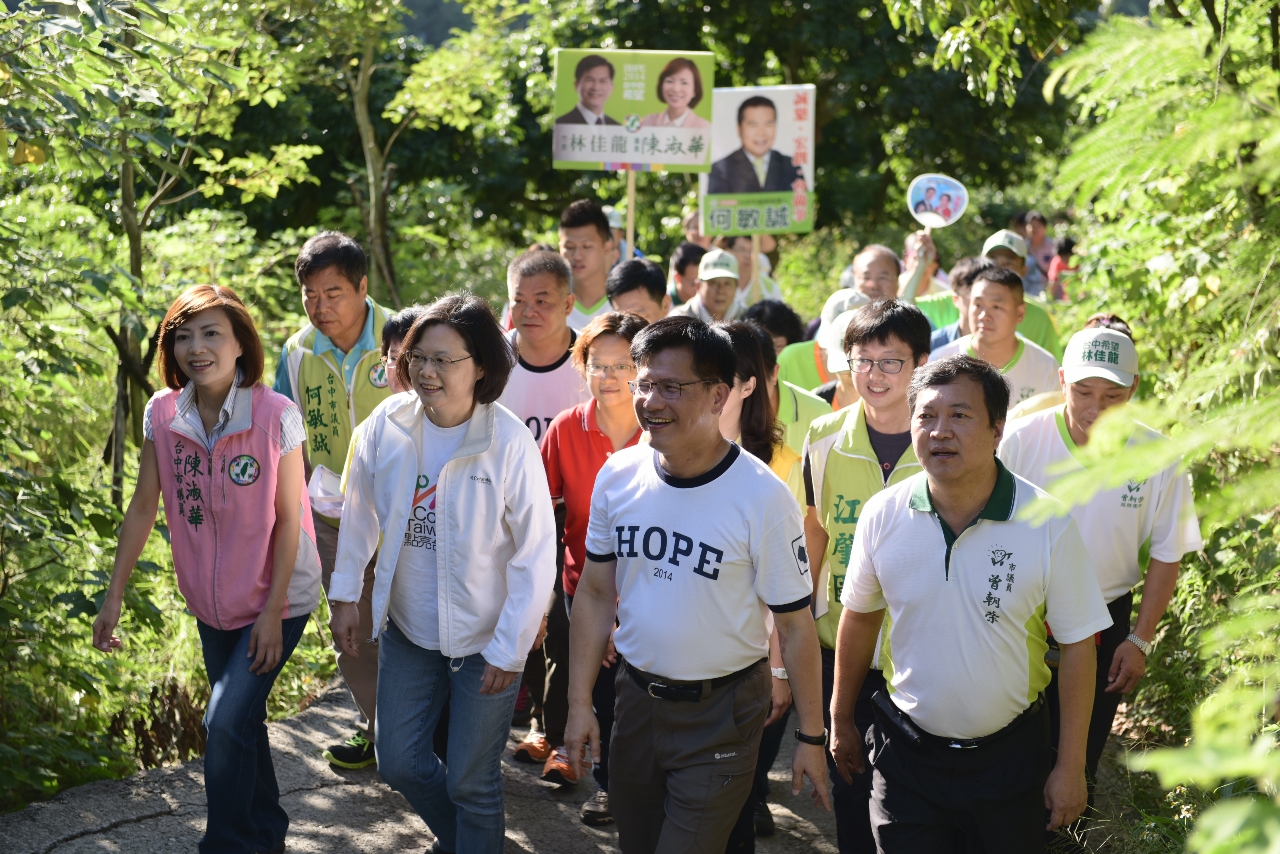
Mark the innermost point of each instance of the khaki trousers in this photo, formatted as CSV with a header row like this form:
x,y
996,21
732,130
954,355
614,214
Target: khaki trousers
x,y
361,672
683,770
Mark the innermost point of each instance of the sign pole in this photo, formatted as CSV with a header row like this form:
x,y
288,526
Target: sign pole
x,y
753,293
631,215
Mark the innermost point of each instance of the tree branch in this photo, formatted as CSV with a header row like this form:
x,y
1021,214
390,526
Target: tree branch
x,y
1212,14
386,150
1171,6
136,371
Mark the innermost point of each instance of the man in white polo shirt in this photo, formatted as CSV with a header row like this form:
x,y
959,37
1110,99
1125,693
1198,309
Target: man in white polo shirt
x,y
996,307
691,545
1156,515
960,745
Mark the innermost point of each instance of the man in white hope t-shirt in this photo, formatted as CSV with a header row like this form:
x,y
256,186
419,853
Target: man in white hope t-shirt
x,y
586,242
1157,515
996,307
691,545
960,746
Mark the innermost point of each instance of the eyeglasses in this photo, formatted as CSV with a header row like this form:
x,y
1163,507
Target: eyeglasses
x,y
417,362
668,391
602,370
888,366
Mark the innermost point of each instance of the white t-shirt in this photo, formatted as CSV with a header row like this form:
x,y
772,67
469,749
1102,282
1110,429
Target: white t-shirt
x,y
414,601
701,561
967,638
1158,512
538,394
578,318
1031,371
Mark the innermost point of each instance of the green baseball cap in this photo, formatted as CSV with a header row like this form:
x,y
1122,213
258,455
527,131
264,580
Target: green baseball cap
x,y
1105,353
717,264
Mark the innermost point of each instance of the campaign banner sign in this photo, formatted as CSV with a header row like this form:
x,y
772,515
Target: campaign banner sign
x,y
761,177
647,110
937,201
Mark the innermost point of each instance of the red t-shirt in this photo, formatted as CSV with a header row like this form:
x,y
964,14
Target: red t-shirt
x,y
573,451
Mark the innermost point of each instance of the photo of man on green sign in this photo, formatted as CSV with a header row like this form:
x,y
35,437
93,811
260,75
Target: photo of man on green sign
x,y
761,179
633,109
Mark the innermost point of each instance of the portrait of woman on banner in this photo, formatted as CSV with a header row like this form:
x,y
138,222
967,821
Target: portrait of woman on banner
x,y
680,88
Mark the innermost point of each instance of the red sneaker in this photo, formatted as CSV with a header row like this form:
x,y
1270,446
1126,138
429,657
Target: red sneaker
x,y
535,748
558,770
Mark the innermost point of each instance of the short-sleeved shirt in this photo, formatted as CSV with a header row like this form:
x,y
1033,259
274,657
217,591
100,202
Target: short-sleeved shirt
x,y
801,364
968,637
1032,370
701,560
537,394
1036,326
1156,515
573,451
797,409
584,314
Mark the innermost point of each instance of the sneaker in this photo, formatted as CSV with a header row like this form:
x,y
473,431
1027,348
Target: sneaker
x,y
535,748
355,752
558,770
595,812
763,819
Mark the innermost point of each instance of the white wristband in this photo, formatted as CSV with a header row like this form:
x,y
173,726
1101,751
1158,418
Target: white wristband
x,y
778,672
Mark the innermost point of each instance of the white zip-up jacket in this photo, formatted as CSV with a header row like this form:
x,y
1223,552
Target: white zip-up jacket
x,y
495,551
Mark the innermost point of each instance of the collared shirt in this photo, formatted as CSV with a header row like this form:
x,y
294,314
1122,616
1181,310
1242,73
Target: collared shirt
x,y
292,432
1032,370
366,342
593,118
760,164
1121,525
968,608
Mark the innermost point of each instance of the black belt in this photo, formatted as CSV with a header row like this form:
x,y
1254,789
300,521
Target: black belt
x,y
683,691
903,723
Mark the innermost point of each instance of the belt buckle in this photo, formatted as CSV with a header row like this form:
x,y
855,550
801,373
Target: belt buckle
x,y
653,685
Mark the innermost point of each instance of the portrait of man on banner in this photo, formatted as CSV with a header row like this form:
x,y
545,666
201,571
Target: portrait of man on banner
x,y
593,81
756,166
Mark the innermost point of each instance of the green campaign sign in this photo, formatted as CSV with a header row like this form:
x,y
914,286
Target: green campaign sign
x,y
646,110
761,177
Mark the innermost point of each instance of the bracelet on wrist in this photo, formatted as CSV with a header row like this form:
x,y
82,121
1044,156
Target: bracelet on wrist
x,y
816,740
1143,646
778,672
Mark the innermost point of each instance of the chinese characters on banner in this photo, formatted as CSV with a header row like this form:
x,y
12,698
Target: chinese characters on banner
x,y
644,110
762,170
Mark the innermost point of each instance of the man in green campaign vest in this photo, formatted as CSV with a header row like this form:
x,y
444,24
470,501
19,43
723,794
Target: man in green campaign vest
x,y
850,456
332,368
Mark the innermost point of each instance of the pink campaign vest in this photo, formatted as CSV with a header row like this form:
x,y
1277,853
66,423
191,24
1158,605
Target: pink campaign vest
x,y
221,511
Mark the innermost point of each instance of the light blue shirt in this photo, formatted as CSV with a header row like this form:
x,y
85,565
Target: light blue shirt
x,y
364,344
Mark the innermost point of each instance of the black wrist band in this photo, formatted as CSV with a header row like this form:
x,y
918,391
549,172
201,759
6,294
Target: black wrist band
x,y
817,740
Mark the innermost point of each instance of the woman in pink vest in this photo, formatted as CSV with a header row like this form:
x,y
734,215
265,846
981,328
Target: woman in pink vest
x,y
223,451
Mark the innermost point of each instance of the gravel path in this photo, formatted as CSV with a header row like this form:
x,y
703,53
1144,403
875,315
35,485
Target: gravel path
x,y
345,811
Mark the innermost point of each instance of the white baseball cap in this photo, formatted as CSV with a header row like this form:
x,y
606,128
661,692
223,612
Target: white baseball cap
x,y
831,339
717,264
1006,239
1104,353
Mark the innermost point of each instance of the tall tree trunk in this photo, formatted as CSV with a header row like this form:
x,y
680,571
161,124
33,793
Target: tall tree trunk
x,y
375,175
126,340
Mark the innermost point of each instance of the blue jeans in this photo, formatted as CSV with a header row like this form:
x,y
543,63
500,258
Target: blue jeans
x,y
245,815
461,804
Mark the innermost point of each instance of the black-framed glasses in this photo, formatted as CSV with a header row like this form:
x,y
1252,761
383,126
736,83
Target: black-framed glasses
x,y
888,366
668,391
417,362
601,370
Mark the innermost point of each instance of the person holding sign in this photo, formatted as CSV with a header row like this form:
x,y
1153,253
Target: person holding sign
x,y
593,81
680,88
756,167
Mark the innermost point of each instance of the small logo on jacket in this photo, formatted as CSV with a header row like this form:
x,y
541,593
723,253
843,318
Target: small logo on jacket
x,y
244,470
481,480
729,755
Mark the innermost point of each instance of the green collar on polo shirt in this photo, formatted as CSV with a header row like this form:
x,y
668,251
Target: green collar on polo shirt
x,y
999,506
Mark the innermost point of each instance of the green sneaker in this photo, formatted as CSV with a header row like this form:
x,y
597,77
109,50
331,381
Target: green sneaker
x,y
355,752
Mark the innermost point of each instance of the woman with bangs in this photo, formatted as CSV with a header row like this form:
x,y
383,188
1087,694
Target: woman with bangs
x,y
223,451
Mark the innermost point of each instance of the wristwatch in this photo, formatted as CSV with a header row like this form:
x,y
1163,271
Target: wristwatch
x,y
778,672
818,740
1143,646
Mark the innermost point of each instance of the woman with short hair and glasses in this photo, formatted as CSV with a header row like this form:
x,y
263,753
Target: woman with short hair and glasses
x,y
453,486
576,446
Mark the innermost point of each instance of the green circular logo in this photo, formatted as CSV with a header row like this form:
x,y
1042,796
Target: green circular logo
x,y
378,376
631,123
244,470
